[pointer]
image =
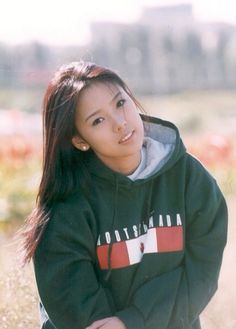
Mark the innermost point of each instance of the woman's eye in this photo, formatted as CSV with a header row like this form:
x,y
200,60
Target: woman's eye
x,y
120,102
97,121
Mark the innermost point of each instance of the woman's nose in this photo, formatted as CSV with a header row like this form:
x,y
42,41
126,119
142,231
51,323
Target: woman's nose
x,y
119,123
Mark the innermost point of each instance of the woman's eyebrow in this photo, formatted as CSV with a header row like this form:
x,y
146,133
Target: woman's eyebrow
x,y
117,95
92,114
97,111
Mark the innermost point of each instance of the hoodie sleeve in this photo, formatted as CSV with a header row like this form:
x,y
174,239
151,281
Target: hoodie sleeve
x,y
64,268
175,299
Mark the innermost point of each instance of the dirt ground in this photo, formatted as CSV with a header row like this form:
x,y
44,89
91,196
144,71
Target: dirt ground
x,y
18,296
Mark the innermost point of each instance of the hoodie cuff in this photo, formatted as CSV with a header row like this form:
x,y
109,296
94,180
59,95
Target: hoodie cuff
x,y
131,317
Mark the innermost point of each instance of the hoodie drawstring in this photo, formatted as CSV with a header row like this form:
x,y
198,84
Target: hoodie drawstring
x,y
149,202
112,227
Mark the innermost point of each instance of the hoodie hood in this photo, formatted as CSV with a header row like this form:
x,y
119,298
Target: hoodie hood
x,y
154,155
162,148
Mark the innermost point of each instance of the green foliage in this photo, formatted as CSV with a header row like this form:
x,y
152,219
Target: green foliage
x,y
29,100
226,177
18,188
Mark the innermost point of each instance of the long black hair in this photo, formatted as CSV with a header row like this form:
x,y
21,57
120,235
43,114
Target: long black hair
x,y
61,160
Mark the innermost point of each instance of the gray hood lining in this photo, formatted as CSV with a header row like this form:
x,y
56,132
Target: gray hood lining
x,y
158,146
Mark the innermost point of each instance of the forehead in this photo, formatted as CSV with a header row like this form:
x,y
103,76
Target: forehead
x,y
98,93
103,89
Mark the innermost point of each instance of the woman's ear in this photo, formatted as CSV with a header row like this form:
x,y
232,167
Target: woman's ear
x,y
79,143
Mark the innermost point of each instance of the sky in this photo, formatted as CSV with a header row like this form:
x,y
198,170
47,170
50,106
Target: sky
x,y
66,22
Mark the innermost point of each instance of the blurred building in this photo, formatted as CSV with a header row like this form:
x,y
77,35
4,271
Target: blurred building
x,y
168,50
179,16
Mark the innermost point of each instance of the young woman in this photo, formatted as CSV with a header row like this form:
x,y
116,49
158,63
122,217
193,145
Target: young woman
x,y
129,228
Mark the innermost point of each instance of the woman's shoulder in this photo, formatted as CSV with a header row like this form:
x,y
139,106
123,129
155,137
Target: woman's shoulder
x,y
196,166
73,201
71,209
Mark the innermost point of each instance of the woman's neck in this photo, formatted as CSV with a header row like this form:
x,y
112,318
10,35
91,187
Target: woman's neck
x,y
126,165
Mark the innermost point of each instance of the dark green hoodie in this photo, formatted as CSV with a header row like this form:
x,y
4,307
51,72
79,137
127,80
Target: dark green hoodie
x,y
147,250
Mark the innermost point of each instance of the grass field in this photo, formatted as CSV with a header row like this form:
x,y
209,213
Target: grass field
x,y
199,116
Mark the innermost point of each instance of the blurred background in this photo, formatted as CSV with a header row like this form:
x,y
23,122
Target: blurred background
x,y
179,58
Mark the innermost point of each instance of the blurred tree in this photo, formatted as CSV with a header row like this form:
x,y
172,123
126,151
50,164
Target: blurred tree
x,y
221,55
7,75
194,61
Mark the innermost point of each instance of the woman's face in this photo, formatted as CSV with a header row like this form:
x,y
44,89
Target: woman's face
x,y
108,122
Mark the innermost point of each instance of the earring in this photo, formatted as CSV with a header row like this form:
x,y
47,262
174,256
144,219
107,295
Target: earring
x,y
84,148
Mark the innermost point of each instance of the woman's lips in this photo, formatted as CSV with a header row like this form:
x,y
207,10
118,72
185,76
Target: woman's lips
x,y
126,137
